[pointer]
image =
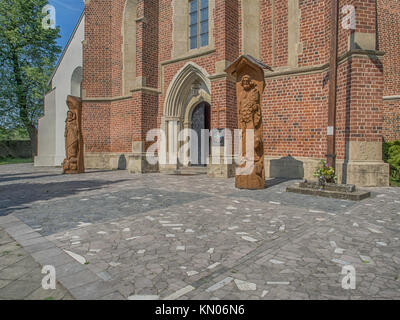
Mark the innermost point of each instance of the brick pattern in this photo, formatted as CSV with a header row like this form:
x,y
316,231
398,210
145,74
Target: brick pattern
x,y
97,76
281,33
391,120
295,116
294,107
314,32
389,42
266,36
122,124
117,9
359,102
96,126
223,106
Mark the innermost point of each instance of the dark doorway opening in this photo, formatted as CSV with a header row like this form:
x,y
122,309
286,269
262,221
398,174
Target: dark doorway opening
x,y
201,120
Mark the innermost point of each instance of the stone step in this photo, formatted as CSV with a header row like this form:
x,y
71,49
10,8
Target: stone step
x,y
187,171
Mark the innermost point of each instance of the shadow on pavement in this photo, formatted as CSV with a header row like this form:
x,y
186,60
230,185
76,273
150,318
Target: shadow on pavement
x,y
275,181
13,196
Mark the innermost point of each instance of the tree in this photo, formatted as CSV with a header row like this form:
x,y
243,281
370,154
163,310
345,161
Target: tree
x,y
17,133
28,53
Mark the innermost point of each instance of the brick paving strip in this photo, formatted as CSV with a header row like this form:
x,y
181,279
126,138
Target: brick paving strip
x,y
20,269
20,274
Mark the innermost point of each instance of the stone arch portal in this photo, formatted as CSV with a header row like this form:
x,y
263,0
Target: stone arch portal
x,y
190,88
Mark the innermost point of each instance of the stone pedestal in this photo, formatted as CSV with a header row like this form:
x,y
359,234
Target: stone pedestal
x,y
224,171
220,165
138,162
364,167
363,173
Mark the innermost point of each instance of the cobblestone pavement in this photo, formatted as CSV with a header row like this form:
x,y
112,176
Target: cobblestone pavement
x,y
191,237
20,274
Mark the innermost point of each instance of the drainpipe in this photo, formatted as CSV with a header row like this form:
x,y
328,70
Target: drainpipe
x,y
331,130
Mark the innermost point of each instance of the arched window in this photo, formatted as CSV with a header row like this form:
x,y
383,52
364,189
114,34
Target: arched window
x,y
198,23
76,80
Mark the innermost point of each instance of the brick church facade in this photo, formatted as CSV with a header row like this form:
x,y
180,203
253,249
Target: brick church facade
x,y
151,63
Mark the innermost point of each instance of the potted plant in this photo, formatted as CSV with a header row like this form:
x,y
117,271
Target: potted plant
x,y
325,174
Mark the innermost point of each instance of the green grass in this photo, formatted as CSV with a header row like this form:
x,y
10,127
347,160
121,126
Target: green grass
x,y
395,183
15,160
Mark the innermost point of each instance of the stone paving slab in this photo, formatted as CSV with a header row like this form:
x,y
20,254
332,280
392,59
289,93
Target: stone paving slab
x,y
68,213
192,237
70,273
20,274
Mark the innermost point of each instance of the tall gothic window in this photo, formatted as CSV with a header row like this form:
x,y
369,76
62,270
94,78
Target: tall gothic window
x,y
198,26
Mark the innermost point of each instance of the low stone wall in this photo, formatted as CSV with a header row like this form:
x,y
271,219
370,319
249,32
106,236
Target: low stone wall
x,y
106,161
15,149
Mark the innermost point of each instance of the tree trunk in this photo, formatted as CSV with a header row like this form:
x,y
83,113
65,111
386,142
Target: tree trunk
x,y
33,134
22,104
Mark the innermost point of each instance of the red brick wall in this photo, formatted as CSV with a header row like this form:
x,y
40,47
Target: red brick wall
x,y
112,126
266,30
389,42
226,34
117,13
391,120
148,43
294,106
97,76
281,33
360,85
295,116
165,30
122,125
359,102
96,126
314,32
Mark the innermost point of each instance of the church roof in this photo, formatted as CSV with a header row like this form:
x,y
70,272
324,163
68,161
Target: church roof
x,y
66,47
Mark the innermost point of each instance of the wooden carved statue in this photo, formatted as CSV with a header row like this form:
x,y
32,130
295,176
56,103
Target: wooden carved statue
x,y
73,138
250,84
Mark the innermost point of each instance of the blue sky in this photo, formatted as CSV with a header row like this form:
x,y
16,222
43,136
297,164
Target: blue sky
x,y
67,15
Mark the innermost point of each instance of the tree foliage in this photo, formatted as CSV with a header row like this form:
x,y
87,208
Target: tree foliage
x,y
18,133
28,53
391,155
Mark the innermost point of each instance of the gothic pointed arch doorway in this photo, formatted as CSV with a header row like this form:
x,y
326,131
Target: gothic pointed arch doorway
x,y
187,106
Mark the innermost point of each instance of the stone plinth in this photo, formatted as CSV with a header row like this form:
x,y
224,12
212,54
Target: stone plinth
x,y
138,162
330,190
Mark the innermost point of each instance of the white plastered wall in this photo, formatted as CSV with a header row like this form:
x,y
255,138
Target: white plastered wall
x,y
51,143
